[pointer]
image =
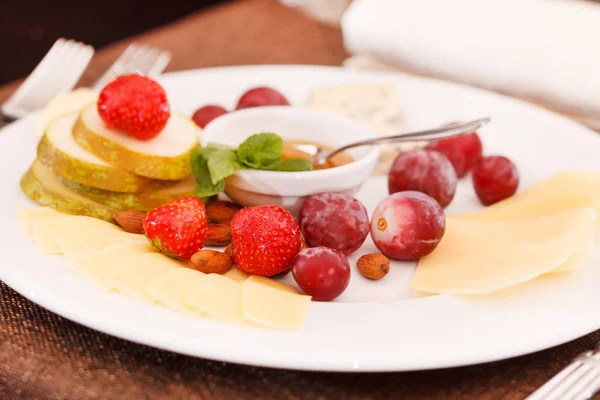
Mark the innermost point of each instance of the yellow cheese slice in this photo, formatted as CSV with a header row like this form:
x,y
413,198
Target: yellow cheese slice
x,y
578,258
27,215
560,193
272,283
175,287
269,306
70,245
47,231
495,255
219,297
236,274
49,245
540,231
98,266
143,271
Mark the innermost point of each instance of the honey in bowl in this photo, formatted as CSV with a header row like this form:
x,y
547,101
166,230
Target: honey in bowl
x,y
289,151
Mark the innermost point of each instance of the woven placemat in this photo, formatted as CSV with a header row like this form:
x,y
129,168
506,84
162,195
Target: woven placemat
x,y
44,356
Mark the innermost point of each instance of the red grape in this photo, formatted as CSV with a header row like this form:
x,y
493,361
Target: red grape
x,y
408,225
462,151
321,272
426,171
261,96
495,178
205,114
334,220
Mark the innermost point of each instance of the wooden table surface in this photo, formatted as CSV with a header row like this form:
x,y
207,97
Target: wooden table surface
x,y
45,356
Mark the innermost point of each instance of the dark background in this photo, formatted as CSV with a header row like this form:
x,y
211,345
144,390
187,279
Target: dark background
x,y
28,28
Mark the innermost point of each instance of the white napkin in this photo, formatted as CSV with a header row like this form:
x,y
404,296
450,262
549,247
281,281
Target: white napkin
x,y
545,50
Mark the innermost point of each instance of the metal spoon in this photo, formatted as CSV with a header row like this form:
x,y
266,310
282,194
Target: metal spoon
x,y
322,155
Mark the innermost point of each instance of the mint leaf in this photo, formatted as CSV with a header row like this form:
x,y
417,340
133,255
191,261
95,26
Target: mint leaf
x,y
196,160
218,146
200,170
291,165
260,150
221,164
208,150
203,191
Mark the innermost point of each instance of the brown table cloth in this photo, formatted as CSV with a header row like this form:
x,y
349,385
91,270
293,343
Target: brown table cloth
x,y
43,356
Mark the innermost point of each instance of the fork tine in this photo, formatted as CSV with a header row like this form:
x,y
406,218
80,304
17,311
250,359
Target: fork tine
x,y
82,57
153,62
555,382
148,60
57,82
48,60
74,65
161,62
589,390
578,381
42,91
136,59
117,68
582,381
142,59
128,55
58,71
71,65
137,62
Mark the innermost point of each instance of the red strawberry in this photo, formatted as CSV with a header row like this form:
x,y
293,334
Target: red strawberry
x,y
135,105
178,228
264,239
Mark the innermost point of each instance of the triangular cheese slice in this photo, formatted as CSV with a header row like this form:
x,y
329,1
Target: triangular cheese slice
x,y
560,193
482,257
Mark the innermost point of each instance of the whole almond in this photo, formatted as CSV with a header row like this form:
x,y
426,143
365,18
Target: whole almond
x,y
373,266
131,221
217,235
229,250
221,212
211,262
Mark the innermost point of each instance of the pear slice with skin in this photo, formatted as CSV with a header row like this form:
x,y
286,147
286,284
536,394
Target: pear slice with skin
x,y
136,201
66,103
44,187
59,152
166,156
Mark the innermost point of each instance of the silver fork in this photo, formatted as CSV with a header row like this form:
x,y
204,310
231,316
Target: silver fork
x,y
144,60
580,380
58,72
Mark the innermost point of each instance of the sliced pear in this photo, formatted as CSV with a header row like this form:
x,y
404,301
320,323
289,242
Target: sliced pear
x,y
42,186
167,156
59,152
183,188
66,103
136,201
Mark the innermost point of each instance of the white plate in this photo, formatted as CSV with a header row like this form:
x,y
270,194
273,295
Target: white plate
x,y
374,326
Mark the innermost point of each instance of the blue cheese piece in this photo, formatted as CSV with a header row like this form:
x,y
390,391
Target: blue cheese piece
x,y
376,105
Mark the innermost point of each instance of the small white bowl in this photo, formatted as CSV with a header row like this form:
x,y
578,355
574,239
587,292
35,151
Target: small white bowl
x,y
289,189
